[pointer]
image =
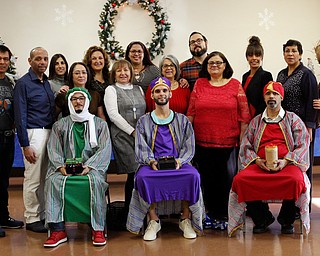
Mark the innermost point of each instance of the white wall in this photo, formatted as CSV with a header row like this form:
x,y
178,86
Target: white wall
x,y
227,24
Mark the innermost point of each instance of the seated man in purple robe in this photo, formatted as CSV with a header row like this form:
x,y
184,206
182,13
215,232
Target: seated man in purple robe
x,y
163,183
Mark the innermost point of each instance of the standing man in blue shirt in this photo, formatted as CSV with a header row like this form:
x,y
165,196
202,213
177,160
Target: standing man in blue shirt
x,y
6,140
34,116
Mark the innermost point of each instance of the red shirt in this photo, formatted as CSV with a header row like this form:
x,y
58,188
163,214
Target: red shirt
x,y
178,103
218,112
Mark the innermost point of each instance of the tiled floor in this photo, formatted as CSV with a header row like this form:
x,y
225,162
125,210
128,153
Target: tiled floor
x,y
170,241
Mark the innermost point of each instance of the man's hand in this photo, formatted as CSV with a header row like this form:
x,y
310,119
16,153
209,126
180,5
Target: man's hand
x,y
30,154
178,164
316,104
154,164
85,171
280,164
262,164
183,83
63,171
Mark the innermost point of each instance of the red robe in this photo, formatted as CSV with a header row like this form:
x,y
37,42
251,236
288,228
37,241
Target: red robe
x,y
253,183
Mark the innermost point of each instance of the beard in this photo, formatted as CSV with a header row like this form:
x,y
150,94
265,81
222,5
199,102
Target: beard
x,y
272,104
161,103
199,53
78,111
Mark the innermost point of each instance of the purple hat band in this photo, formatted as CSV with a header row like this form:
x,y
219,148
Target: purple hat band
x,y
160,81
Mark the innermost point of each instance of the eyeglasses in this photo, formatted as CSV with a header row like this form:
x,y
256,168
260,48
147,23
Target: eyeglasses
x,y
133,52
81,99
78,73
198,41
166,66
5,59
217,63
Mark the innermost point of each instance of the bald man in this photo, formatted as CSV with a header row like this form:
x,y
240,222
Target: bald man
x,y
34,116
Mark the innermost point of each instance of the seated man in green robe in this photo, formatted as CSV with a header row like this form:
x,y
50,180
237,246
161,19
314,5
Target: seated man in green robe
x,y
85,136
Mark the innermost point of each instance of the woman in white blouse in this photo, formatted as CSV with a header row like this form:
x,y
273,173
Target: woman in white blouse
x,y
125,104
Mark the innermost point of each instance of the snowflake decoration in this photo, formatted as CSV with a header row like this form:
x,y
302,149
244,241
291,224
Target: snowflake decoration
x,y
266,19
63,15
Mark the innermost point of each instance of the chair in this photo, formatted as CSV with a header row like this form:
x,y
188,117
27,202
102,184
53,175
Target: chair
x,y
237,216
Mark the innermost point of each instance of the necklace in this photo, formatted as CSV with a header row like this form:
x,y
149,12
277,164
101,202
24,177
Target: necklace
x,y
139,77
131,99
139,74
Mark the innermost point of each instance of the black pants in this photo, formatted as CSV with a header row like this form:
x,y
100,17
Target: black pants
x,y
6,161
309,171
212,165
128,190
259,212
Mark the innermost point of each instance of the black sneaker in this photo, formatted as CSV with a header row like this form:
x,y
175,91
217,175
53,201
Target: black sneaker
x,y
2,233
287,229
36,227
12,223
258,229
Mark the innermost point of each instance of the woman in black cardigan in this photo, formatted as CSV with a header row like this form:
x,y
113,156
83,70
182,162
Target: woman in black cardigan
x,y
256,78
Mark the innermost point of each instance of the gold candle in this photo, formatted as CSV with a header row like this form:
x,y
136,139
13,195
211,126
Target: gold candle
x,y
271,156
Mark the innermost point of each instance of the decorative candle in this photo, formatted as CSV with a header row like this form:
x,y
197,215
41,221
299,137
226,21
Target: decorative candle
x,y
271,156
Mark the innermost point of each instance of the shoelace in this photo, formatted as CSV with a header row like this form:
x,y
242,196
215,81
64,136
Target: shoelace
x,y
54,235
98,235
150,227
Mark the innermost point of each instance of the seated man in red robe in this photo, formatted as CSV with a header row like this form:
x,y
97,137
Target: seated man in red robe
x,y
284,178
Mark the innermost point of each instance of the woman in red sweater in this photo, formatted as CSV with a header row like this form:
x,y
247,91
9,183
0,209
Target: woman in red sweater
x,y
170,68
219,112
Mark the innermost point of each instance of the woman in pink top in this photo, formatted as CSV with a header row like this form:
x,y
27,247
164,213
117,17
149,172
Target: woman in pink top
x,y
219,112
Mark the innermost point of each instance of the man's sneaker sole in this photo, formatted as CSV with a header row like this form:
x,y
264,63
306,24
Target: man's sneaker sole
x,y
15,227
99,244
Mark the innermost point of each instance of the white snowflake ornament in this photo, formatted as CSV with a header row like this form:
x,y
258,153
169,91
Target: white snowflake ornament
x,y
266,19
63,15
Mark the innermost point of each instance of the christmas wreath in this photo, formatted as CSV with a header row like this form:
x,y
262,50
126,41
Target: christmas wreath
x,y
113,47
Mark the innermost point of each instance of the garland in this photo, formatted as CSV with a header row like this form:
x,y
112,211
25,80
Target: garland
x,y
113,47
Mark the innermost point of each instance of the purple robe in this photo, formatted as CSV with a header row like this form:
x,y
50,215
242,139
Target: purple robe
x,y
155,186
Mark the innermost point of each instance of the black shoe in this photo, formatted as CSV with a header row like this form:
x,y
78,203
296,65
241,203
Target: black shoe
x,y
12,223
287,229
36,227
258,229
2,233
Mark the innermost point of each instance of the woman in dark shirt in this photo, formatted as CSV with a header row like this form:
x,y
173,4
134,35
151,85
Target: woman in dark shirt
x,y
256,78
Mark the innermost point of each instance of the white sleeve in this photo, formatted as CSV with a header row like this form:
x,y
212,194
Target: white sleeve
x,y
111,104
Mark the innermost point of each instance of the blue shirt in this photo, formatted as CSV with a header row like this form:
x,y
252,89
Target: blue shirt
x,y
33,105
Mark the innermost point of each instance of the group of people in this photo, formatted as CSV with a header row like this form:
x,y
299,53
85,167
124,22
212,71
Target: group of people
x,y
176,130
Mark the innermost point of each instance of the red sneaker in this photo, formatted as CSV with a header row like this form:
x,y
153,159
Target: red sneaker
x,y
98,238
56,238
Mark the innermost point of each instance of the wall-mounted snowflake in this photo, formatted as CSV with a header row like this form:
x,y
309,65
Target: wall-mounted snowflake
x,y
266,19
63,15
